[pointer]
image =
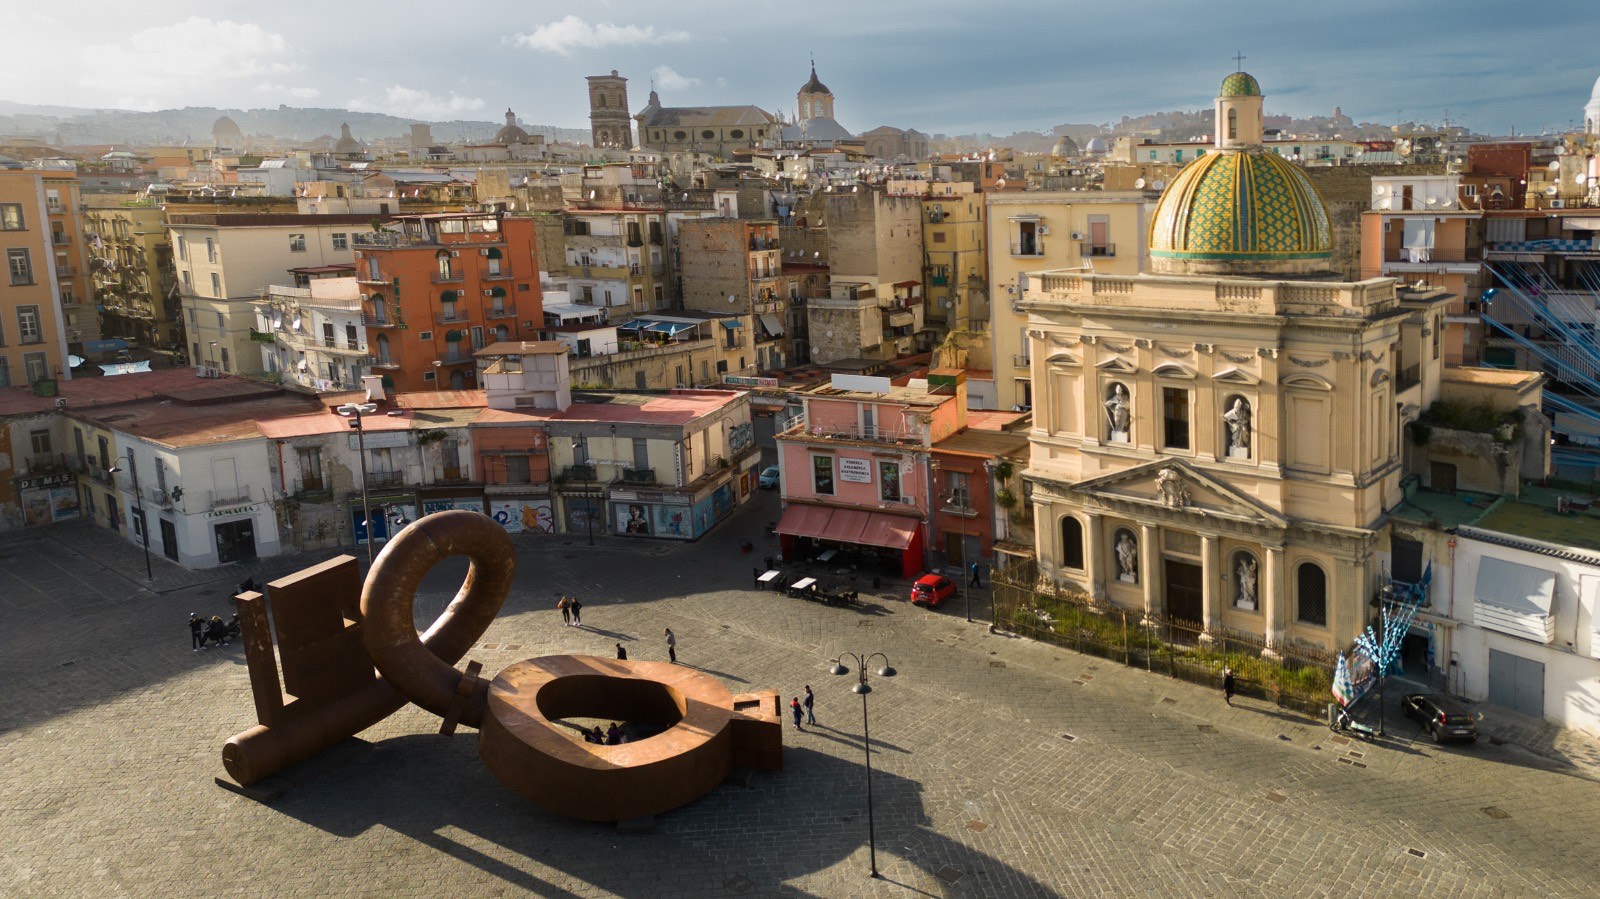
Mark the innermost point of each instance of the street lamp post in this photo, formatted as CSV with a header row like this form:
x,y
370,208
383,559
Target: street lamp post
x,y
144,522
863,688
354,411
588,497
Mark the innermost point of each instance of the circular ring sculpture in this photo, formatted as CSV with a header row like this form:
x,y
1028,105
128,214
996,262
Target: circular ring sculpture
x,y
705,731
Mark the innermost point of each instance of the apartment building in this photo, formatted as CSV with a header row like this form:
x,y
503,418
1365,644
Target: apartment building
x,y
33,334
130,261
63,202
313,335
736,266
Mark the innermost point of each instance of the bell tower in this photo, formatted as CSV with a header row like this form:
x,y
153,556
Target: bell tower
x,y
608,111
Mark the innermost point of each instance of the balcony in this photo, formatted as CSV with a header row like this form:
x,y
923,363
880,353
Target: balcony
x,y
232,496
451,316
500,312
1027,248
1407,377
66,271
490,275
60,238
450,277
580,472
1021,361
378,321
958,504
376,362
385,478
456,357
1087,249
638,476
161,499
449,474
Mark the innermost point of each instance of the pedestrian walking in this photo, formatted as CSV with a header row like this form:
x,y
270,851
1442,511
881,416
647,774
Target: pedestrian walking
x,y
1227,685
622,654
974,581
811,717
565,605
672,646
197,632
794,706
577,612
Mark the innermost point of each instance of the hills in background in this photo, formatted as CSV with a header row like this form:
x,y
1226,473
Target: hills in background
x,y
72,125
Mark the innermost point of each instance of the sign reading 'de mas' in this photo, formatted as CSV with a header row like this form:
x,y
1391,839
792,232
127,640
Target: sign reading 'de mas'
x,y
857,471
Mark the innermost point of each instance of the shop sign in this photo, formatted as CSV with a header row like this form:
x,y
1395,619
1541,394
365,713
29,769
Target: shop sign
x,y
856,471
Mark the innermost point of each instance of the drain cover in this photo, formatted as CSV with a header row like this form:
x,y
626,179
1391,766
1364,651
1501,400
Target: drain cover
x,y
996,664
977,826
1275,796
1495,811
949,874
1416,852
1207,728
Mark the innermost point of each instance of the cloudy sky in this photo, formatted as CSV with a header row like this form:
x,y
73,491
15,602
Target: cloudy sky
x,y
950,66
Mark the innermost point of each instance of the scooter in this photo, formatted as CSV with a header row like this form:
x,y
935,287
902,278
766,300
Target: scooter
x,y
1343,723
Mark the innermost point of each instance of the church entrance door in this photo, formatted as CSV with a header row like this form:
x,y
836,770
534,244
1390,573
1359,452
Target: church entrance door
x,y
1184,596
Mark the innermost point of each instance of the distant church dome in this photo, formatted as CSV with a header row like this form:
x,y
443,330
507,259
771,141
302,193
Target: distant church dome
x,y
511,133
1591,110
1240,209
347,145
1065,148
226,132
814,86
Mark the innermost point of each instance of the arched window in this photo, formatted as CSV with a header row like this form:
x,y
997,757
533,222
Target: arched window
x,y
1233,124
383,348
380,309
1071,543
443,259
1311,595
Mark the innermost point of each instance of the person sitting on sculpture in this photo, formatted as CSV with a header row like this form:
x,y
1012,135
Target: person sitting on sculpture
x,y
613,735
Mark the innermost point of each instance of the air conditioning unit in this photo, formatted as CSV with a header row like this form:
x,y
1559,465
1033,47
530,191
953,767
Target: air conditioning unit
x,y
483,252
1077,235
455,252
488,293
1044,230
1558,204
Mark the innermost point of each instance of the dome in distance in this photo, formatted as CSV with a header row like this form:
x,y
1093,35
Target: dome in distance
x,y
1065,148
511,132
814,86
1239,84
1246,213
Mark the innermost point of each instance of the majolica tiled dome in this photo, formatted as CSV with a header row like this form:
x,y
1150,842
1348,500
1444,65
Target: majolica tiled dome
x,y
1247,211
1240,84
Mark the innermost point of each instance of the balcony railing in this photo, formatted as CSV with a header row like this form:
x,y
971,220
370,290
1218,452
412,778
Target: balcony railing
x,y
446,277
60,239
501,312
376,362
1027,248
377,321
385,478
501,275
638,476
232,496
580,472
1097,249
799,427
1021,361
448,474
1410,376
453,315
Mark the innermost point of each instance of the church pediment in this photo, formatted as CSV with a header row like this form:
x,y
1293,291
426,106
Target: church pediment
x,y
1062,359
1236,376
1118,365
1173,485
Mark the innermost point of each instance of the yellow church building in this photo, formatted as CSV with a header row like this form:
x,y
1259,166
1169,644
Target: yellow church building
x,y
1216,441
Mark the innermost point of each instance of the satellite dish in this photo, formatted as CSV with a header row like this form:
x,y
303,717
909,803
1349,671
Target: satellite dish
x,y
1383,190
1447,202
1432,200
1551,191
591,195
1554,166
732,298
828,334
1138,183
1160,185
1580,178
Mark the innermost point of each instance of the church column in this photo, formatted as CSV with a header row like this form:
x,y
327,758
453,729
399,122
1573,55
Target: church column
x,y
1274,600
1149,572
1210,595
1092,538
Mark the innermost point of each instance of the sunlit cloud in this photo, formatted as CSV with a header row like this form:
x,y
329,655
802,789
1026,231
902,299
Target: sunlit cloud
x,y
573,33
397,99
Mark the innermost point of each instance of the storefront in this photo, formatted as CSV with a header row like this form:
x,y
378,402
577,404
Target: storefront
x,y
671,516
49,498
443,500
388,511
523,514
875,539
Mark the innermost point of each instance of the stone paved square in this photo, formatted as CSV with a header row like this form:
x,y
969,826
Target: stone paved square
x,y
1001,767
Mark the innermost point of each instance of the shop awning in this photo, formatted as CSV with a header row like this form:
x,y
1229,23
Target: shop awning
x,y
846,526
771,323
634,325
893,531
1515,599
804,521
731,323
448,296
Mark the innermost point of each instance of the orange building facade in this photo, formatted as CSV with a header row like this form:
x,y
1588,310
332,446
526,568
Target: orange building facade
x,y
435,288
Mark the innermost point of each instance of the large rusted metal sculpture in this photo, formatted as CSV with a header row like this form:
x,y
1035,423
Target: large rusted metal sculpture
x,y
349,665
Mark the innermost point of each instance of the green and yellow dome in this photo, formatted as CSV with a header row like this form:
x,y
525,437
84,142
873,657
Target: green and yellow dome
x,y
1239,84
1244,211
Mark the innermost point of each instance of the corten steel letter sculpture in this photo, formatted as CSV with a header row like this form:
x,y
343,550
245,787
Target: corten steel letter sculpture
x,y
329,647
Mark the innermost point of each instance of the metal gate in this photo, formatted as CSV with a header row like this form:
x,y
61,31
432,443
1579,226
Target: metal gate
x,y
1516,683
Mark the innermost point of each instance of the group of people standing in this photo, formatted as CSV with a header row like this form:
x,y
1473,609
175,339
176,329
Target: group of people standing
x,y
609,737
806,706
571,611
203,631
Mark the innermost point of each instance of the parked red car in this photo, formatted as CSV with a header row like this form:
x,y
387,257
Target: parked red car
x,y
932,590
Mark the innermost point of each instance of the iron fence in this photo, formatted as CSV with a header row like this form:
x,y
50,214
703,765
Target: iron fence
x,y
1298,678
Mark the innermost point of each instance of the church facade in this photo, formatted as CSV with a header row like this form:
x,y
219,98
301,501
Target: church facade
x,y
1217,441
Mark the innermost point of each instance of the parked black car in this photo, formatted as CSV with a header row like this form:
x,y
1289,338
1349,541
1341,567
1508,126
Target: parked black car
x,y
1445,719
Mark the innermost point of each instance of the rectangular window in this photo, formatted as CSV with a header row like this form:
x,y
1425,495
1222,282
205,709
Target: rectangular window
x,y
211,250
11,217
40,441
183,248
822,475
310,468
381,460
372,269
225,360
216,284
341,241
517,470
37,368
351,338
297,243
641,452
28,329
1175,417
21,265
889,481
222,321
188,283
959,496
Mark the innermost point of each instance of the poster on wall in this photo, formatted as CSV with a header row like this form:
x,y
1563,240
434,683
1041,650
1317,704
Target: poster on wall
x,y
49,499
584,515
674,522
633,519
445,504
705,516
889,481
523,516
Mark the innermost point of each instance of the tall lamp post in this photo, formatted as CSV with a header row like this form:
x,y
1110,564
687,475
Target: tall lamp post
x,y
144,523
863,688
354,411
588,497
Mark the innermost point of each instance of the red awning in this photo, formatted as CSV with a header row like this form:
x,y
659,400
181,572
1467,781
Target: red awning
x,y
805,521
893,531
847,525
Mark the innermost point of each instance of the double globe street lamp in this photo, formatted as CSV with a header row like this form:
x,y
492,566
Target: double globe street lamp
x,y
863,688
